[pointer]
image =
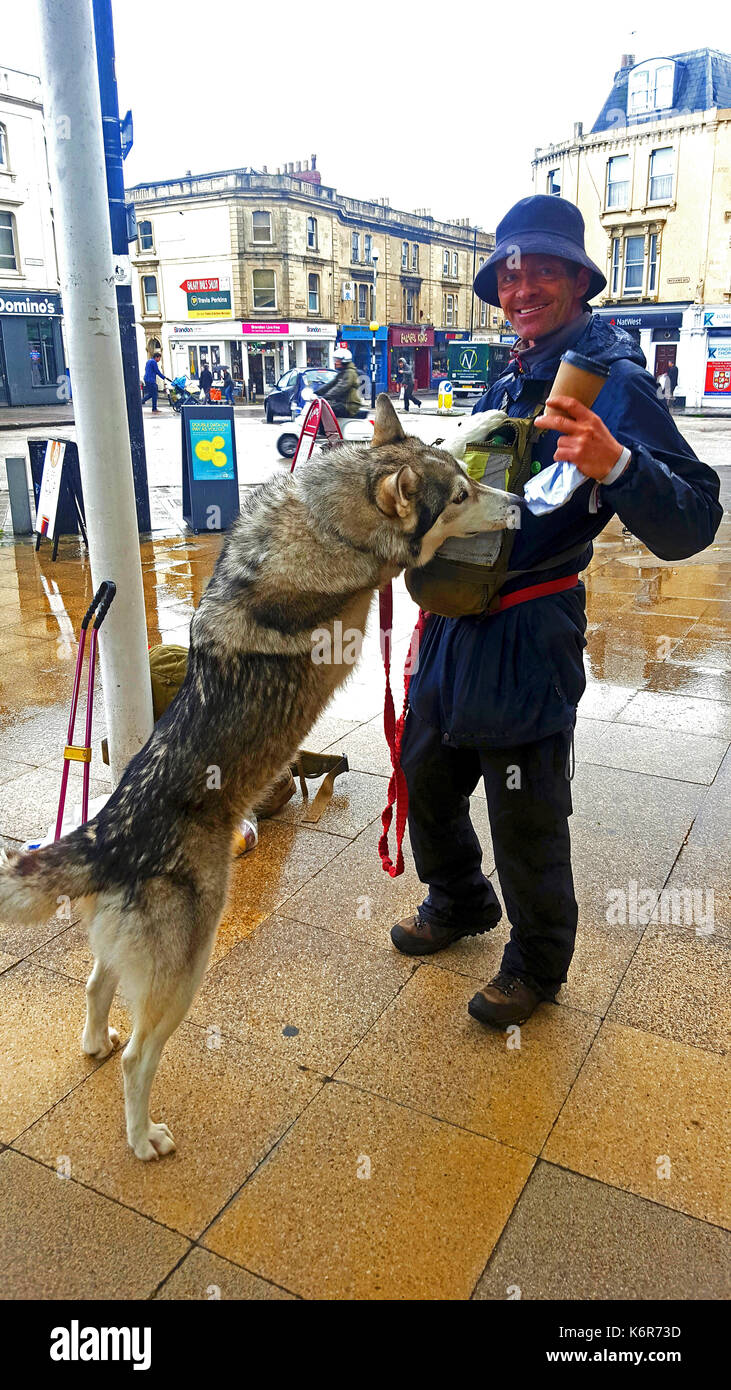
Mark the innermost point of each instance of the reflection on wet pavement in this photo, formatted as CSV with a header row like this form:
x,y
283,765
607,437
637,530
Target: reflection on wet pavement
x,y
304,989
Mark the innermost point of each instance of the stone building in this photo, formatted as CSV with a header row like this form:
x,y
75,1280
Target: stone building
x,y
266,271
31,346
653,181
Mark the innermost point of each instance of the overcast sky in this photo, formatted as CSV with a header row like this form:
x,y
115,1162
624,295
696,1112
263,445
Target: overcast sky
x,y
395,100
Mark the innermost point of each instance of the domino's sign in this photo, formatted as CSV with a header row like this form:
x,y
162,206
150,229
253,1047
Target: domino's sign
x,y
26,303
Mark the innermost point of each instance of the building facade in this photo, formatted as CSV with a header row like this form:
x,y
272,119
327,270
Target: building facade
x,y
653,181
266,272
31,347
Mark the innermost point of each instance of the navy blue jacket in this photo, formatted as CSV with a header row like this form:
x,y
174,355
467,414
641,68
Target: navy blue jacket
x,y
518,675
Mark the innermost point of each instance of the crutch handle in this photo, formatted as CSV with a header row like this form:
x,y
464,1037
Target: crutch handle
x,y
101,601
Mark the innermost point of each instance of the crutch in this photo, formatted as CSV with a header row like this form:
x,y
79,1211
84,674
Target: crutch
x,y
81,753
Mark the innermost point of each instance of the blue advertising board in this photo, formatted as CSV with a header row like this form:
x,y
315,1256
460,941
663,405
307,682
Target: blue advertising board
x,y
210,474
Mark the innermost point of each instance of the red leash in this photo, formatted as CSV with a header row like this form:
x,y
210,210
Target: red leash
x,y
398,793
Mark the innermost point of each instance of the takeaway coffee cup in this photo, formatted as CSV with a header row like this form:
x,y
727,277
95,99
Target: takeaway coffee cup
x,y
579,377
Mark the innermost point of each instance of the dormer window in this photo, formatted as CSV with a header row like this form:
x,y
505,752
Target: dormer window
x,y
650,87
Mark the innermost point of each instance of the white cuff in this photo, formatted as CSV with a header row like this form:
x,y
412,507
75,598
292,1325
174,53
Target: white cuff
x,y
618,469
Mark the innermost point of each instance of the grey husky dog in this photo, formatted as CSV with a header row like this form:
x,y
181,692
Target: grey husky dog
x,y
152,868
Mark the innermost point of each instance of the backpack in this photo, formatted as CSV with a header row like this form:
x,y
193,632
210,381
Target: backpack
x,y
466,575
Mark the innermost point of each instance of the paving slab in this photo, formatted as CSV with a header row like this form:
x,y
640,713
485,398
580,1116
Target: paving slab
x,y
206,1277
643,1115
426,1051
400,1206
58,1240
573,1239
678,984
42,1061
226,1104
301,992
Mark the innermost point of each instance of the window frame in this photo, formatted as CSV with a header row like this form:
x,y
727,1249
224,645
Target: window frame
x,y
312,275
483,314
448,311
145,250
657,178
550,190
362,301
152,313
404,255
653,263
625,183
312,235
355,248
368,248
455,265
415,255
4,148
634,291
266,308
445,262
261,241
13,229
48,359
616,264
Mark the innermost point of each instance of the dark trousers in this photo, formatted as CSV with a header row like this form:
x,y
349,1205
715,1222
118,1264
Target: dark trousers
x,y
228,392
529,802
150,393
410,395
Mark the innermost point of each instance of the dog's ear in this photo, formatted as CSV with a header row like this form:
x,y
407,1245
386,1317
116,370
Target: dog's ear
x,y
387,428
396,491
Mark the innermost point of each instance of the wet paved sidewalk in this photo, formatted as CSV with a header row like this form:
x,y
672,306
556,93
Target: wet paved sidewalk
x,y
344,1129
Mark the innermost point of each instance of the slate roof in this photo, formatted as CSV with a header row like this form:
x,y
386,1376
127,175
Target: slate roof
x,y
704,82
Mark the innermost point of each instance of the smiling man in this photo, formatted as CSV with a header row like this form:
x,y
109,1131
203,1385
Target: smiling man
x,y
495,695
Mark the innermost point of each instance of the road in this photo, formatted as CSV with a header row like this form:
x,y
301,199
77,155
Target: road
x,y
258,458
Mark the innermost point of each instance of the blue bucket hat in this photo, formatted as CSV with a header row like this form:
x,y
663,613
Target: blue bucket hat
x,y
540,223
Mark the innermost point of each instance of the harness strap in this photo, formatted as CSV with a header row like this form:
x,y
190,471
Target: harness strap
x,y
551,586
394,730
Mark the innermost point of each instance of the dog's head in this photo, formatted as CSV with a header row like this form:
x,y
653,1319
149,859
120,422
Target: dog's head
x,y
426,494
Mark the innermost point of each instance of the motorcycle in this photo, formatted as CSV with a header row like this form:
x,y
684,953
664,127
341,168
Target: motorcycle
x,y
181,393
357,428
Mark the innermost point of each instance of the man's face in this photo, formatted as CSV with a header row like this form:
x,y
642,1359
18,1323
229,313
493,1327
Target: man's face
x,y
540,294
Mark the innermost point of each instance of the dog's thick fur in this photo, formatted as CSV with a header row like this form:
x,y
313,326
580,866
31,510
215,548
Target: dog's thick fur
x,y
152,868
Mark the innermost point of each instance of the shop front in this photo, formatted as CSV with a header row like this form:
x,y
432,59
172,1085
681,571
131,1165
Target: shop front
x,y
358,339
415,345
257,354
442,338
717,357
31,348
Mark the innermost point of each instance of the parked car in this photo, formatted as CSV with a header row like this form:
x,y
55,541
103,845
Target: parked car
x,y
286,397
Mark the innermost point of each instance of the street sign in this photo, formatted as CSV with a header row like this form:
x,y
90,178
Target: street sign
x,y
193,286
126,133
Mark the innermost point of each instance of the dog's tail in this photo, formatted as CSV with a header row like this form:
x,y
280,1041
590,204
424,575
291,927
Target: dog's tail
x,y
32,885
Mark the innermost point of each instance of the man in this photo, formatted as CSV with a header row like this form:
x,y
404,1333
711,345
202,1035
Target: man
x,y
343,392
496,696
407,381
152,372
205,381
672,373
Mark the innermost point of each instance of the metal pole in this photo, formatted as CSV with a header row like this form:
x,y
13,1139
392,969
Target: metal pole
x,y
104,32
78,181
472,302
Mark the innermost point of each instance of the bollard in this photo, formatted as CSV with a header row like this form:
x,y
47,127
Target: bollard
x,y
445,397
19,503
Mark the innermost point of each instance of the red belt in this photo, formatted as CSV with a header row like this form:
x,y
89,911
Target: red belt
x,y
551,586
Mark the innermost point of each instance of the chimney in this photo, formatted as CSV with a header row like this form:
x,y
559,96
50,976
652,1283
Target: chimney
x,y
627,60
578,131
298,166
264,169
290,168
313,161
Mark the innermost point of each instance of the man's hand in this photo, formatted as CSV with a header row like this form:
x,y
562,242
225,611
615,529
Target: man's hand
x,y
583,438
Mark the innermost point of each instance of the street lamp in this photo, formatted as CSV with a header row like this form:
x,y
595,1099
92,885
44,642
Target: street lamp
x,y
374,329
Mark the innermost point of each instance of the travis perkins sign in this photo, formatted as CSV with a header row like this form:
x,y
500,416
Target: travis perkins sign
x,y
25,303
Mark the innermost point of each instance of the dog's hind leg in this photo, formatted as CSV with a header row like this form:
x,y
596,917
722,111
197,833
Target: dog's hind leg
x,y
98,1039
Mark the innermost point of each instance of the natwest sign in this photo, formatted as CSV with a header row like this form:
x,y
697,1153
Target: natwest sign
x,y
266,330
195,286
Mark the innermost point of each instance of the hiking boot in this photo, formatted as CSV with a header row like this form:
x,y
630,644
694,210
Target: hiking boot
x,y
278,795
506,999
414,936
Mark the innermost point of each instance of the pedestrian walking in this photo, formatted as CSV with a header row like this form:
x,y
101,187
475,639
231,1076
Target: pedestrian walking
x,y
205,381
495,694
228,386
152,372
407,381
666,390
672,372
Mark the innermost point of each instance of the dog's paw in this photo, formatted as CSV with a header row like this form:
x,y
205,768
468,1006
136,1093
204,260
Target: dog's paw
x,y
100,1047
158,1142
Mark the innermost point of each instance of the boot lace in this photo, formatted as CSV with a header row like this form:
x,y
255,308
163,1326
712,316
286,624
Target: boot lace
x,y
507,984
